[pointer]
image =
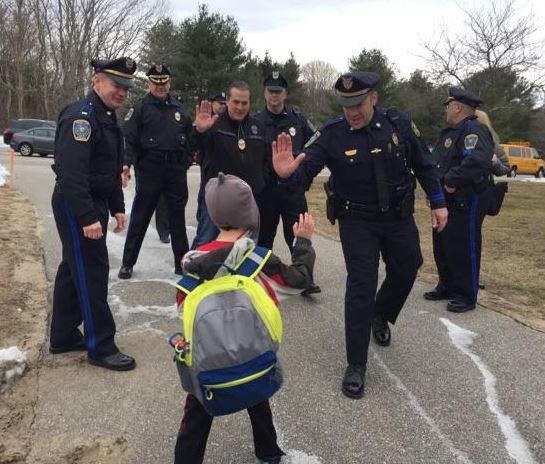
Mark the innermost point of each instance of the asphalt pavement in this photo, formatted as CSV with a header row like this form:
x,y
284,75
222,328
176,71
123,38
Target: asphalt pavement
x,y
451,388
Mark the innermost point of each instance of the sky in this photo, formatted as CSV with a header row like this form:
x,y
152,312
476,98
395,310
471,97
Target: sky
x,y
334,31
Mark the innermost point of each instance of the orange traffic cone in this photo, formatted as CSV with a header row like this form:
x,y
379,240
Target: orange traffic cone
x,y
11,161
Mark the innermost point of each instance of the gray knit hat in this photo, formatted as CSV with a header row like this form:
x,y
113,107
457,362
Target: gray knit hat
x,y
231,203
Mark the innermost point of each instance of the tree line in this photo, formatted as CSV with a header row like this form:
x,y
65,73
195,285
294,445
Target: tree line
x,y
46,46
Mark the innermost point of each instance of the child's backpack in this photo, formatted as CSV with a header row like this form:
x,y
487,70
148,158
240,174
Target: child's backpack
x,y
231,329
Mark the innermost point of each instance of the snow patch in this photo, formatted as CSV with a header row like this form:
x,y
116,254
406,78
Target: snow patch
x,y
13,364
4,173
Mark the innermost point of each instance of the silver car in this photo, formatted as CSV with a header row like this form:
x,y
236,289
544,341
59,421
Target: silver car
x,y
40,140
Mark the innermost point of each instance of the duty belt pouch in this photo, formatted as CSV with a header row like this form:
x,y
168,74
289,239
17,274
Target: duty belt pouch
x,y
498,192
330,204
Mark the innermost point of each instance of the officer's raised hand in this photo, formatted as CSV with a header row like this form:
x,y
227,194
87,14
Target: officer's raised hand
x,y
204,119
439,218
283,161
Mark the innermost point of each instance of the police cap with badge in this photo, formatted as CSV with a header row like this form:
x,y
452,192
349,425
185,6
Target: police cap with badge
x,y
119,70
158,74
353,87
220,98
463,96
275,82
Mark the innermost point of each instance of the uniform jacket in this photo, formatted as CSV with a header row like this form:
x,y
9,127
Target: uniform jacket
x,y
348,155
278,279
88,158
220,151
464,154
153,125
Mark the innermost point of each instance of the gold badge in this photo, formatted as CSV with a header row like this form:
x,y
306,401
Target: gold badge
x,y
292,131
275,74
395,139
177,116
448,143
376,151
347,82
129,63
350,152
241,144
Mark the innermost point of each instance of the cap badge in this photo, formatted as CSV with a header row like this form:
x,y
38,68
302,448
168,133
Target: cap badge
x,y
129,63
395,139
351,152
275,74
292,131
347,82
254,129
448,143
177,116
159,68
241,144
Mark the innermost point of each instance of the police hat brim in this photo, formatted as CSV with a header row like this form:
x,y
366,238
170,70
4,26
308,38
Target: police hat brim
x,y
351,101
159,80
127,83
275,88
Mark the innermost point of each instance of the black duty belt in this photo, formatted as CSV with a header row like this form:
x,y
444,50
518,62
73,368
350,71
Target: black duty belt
x,y
164,155
366,211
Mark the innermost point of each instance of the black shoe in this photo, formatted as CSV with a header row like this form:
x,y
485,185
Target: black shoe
x,y
353,381
381,331
311,290
459,306
275,460
125,272
116,362
437,295
164,238
77,346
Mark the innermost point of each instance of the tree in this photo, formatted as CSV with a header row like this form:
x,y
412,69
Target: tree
x,y
318,98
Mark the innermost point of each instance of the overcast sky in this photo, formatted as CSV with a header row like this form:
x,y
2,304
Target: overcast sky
x,y
334,31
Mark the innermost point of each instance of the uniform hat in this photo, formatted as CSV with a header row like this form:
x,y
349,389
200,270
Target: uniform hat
x,y
275,82
119,70
220,97
231,203
463,96
352,88
158,74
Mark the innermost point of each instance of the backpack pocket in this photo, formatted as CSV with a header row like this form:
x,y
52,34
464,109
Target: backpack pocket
x,y
231,389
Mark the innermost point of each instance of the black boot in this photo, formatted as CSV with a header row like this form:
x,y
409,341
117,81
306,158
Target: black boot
x,y
353,381
381,331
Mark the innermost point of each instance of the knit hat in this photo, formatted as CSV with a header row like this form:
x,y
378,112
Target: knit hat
x,y
231,203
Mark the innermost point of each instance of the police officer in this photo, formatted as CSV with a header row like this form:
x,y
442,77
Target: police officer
x,y
88,162
234,143
464,154
206,230
372,154
157,132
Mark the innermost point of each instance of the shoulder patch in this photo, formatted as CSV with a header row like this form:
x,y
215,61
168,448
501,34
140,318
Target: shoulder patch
x,y
81,130
312,139
129,114
415,129
470,141
332,122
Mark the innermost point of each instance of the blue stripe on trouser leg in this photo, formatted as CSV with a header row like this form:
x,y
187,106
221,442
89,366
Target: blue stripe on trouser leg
x,y
82,281
472,224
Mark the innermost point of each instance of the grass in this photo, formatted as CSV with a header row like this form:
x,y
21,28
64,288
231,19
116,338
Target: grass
x,y
513,254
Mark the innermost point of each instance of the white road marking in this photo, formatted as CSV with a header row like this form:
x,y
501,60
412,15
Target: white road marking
x,y
516,445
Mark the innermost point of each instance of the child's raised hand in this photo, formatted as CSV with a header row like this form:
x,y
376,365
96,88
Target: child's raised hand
x,y
305,226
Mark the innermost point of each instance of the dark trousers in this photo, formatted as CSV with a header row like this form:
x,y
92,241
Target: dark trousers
x,y
206,230
457,249
196,424
153,178
363,241
80,293
281,202
161,218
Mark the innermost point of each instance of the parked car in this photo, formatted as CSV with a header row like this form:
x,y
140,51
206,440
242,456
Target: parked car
x,y
39,140
524,159
18,125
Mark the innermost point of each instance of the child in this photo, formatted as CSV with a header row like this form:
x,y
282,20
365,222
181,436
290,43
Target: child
x,y
233,210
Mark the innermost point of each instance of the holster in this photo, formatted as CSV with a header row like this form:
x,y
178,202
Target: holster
x,y
331,204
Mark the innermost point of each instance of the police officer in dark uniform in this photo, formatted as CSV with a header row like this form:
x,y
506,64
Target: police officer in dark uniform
x,y
206,229
235,143
88,163
373,155
157,138
464,154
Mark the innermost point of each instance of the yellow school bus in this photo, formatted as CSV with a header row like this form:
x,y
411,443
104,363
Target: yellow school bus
x,y
524,159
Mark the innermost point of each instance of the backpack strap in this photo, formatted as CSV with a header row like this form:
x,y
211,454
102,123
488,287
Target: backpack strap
x,y
253,261
188,283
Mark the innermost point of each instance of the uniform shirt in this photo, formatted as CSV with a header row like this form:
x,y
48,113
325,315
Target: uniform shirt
x,y
348,154
290,121
220,151
88,158
153,125
464,153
